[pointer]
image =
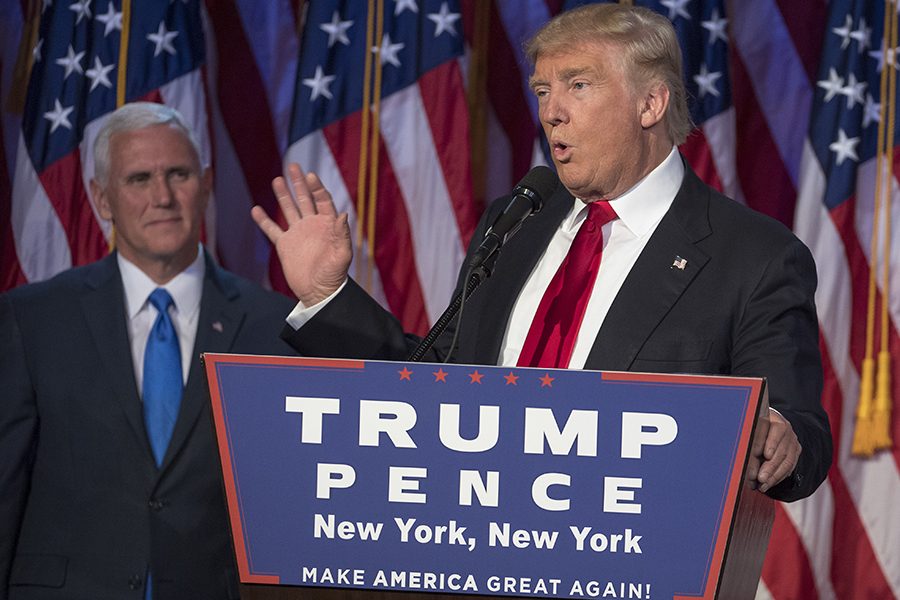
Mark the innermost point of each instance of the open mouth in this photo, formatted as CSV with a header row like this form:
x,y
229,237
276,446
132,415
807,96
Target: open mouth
x,y
560,150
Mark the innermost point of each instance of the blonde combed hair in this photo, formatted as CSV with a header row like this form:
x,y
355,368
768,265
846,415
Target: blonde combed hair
x,y
650,50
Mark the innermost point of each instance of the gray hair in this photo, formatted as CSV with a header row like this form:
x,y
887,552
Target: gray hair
x,y
649,43
133,116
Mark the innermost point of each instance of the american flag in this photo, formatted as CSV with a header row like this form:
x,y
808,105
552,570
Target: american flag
x,y
786,100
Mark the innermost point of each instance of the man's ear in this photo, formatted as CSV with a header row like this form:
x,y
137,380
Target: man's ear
x,y
654,104
101,200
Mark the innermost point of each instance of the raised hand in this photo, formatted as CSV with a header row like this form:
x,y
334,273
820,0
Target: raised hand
x,y
315,249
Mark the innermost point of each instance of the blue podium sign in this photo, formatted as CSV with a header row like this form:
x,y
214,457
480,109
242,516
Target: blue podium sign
x,y
480,480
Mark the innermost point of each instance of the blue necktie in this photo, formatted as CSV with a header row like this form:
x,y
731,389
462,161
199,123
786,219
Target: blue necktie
x,y
162,377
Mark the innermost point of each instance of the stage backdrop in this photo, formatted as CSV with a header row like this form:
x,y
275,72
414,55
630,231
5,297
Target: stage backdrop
x,y
786,95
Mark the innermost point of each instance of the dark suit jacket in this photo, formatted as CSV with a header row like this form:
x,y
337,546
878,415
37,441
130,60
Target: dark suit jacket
x,y
83,508
743,305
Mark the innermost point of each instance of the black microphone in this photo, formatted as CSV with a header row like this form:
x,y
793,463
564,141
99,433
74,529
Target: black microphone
x,y
527,199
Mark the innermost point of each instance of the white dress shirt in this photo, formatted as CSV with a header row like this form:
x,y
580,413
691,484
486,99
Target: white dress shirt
x,y
186,288
640,210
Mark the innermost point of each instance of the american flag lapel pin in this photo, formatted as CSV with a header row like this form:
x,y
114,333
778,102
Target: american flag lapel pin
x,y
679,263
217,325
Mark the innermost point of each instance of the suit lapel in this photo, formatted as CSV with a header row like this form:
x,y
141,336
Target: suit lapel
x,y
104,311
220,319
514,264
654,284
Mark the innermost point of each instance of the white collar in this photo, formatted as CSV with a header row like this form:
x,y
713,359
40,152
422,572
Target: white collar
x,y
642,206
185,288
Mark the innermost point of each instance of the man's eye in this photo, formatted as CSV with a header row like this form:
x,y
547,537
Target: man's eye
x,y
579,85
179,174
139,179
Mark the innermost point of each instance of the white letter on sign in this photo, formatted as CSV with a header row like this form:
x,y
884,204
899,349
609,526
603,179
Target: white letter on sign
x,y
403,484
383,416
333,476
488,429
542,484
312,410
646,429
581,426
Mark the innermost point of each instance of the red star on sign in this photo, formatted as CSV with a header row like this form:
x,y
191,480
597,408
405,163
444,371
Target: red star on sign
x,y
440,375
546,380
476,377
405,374
511,379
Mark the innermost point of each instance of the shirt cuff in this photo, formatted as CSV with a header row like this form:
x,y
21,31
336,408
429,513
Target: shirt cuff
x,y
302,313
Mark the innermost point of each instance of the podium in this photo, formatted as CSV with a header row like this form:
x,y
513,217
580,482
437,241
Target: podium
x,y
372,480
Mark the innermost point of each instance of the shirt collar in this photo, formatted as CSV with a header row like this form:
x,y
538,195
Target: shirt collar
x,y
185,288
642,206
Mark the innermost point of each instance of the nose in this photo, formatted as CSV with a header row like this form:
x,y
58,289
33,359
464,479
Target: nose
x,y
553,110
163,194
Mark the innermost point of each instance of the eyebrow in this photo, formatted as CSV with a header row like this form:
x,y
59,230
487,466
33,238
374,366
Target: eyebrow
x,y
564,75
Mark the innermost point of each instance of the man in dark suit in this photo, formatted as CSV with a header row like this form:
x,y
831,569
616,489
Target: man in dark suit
x,y
92,506
633,264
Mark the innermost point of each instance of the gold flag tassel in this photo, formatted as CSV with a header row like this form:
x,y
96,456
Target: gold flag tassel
x,y
371,207
872,430
881,416
120,82
364,140
368,144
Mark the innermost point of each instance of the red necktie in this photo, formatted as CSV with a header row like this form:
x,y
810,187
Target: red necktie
x,y
551,339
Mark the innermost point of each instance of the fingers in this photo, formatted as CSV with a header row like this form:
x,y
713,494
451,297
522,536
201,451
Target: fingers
x,y
269,227
288,208
321,197
781,453
757,448
302,192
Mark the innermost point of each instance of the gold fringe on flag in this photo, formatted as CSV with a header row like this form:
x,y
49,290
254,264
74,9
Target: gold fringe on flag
x,y
873,412
370,134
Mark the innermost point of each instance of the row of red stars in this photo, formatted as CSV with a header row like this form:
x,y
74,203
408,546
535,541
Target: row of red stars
x,y
475,377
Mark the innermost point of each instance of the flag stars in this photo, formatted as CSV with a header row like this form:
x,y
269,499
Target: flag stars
x,y
706,81
476,377
163,40
405,374
71,62
889,57
833,85
82,9
337,30
844,32
98,74
677,8
511,378
444,21
36,51
844,147
546,380
319,83
401,5
854,91
716,27
59,116
871,111
440,375
862,35
111,20
388,51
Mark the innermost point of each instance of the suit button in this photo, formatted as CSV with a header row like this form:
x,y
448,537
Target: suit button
x,y
135,582
156,504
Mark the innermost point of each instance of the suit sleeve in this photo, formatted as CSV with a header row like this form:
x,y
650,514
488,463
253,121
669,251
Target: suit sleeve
x,y
18,428
778,338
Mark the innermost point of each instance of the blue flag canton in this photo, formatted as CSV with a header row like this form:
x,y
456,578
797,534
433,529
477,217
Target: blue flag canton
x,y
75,69
847,106
702,28
418,36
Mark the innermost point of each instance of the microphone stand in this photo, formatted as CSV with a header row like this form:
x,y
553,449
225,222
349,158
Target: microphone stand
x,y
477,276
